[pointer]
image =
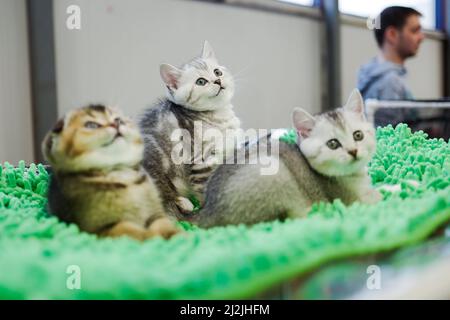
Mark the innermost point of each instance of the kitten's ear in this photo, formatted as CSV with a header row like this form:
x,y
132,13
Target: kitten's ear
x,y
208,52
170,75
303,122
47,143
355,103
46,146
59,126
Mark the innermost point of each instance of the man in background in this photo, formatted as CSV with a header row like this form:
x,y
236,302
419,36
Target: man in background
x,y
398,35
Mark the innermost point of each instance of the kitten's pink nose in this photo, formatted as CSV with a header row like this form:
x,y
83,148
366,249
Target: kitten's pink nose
x,y
116,124
353,153
218,82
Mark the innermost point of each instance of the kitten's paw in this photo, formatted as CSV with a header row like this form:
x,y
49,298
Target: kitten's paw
x,y
163,227
125,228
184,204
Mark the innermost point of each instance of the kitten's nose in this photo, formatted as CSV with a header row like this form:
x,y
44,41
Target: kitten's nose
x,y
116,124
353,153
218,82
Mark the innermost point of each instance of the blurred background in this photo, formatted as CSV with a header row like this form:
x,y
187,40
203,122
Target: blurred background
x,y
284,54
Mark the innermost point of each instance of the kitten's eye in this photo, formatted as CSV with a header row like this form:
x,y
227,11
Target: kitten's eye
x,y
218,73
92,125
358,135
201,81
333,144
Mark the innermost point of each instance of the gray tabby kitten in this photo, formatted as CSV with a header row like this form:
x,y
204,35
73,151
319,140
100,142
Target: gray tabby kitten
x,y
198,99
328,162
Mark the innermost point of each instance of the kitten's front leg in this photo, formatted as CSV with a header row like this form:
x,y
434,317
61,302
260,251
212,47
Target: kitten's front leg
x,y
199,177
363,189
179,197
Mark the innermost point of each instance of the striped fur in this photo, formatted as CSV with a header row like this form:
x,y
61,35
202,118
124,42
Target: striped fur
x,y
309,172
97,180
188,103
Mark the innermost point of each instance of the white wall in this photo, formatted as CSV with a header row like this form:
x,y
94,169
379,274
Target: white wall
x,y
115,57
425,71
15,99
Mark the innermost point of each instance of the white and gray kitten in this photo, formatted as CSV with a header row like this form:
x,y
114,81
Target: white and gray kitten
x,y
199,92
328,162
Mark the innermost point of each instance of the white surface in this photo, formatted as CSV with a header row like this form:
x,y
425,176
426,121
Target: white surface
x,y
115,57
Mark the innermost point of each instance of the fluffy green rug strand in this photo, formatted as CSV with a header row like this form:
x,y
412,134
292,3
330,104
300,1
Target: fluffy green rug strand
x,y
36,250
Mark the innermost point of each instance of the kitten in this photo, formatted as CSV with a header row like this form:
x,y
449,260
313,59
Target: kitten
x,y
328,162
98,182
198,99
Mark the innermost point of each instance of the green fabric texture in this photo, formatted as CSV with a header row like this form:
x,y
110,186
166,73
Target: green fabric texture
x,y
37,251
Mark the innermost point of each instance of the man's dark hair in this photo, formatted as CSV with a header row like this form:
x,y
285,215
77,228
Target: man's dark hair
x,y
396,17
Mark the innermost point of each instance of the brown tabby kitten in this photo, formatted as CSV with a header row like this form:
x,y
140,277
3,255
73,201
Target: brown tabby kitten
x,y
98,182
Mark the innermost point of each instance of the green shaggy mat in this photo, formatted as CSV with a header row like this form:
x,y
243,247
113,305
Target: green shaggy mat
x,y
37,253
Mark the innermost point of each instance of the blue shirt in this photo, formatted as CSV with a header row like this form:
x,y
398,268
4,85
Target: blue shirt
x,y
384,80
